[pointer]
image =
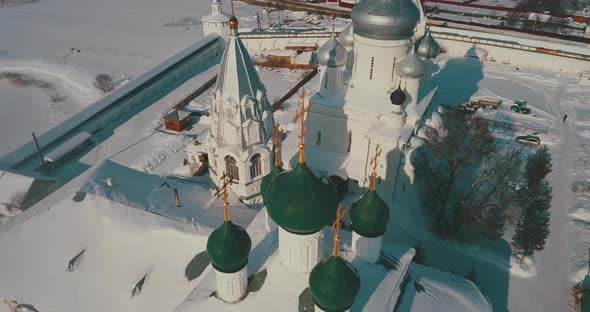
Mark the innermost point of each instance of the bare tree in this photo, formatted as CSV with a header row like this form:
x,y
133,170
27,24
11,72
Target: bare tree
x,y
488,200
104,83
465,173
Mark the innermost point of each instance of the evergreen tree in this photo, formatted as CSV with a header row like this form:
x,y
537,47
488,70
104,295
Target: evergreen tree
x,y
538,166
532,229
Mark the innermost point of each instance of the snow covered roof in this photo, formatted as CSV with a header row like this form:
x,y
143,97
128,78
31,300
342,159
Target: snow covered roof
x,y
126,231
177,115
237,75
434,290
277,52
285,291
12,184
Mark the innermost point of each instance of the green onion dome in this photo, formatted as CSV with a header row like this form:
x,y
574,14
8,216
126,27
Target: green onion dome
x,y
369,215
300,202
268,178
229,247
334,284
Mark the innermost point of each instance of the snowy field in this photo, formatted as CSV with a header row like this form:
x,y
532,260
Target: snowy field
x,y
121,38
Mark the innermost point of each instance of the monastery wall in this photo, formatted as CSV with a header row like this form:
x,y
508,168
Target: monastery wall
x,y
256,44
134,96
552,56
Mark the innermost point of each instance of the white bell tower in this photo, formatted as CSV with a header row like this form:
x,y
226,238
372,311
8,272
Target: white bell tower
x,y
242,124
216,22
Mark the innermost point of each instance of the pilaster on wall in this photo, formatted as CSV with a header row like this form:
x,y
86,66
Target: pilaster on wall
x,y
300,253
231,287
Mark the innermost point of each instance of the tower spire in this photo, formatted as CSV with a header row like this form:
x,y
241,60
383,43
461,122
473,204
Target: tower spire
x,y
227,180
300,116
374,163
336,228
277,144
333,26
233,21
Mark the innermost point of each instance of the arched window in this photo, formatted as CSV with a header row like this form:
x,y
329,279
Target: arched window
x,y
255,166
231,168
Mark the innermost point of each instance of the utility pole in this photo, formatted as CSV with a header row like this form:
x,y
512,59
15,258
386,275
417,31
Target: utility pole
x,y
38,149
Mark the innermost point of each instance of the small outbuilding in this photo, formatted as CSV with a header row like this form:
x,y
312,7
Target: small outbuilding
x,y
177,120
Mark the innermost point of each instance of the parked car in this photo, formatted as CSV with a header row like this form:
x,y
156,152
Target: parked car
x,y
529,140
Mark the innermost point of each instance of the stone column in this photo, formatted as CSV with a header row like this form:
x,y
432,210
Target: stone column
x,y
300,253
231,287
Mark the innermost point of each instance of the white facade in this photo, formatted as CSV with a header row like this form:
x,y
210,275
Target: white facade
x,y
300,253
331,80
366,248
351,120
241,124
216,22
231,287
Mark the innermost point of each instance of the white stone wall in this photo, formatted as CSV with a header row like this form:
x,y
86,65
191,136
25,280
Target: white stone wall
x,y
373,62
518,57
366,248
300,253
231,287
262,44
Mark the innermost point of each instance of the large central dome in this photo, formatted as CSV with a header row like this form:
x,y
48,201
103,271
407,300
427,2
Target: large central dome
x,y
385,19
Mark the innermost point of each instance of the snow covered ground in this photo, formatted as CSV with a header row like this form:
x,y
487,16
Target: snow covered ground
x,y
120,38
544,283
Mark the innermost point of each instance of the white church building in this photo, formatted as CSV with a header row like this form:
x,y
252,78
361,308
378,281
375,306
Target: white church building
x,y
374,88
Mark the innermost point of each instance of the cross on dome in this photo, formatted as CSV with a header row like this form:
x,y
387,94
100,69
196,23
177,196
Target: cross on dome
x,y
336,228
300,117
227,180
374,162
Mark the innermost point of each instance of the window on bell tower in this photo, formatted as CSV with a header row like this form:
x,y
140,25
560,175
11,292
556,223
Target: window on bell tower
x,y
231,168
255,166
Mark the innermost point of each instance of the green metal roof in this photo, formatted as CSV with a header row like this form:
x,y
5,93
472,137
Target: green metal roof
x,y
229,247
369,215
300,202
268,178
334,284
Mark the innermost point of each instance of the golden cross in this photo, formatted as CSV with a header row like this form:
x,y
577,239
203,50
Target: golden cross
x,y
227,180
374,162
277,144
336,228
300,116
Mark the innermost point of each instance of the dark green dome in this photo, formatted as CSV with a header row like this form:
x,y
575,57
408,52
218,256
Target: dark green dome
x,y
228,247
334,284
369,215
266,180
300,202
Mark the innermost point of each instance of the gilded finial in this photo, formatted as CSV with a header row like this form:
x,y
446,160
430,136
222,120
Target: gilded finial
x,y
233,21
227,180
374,164
336,228
300,116
276,138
